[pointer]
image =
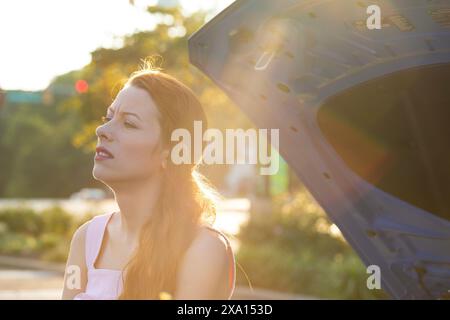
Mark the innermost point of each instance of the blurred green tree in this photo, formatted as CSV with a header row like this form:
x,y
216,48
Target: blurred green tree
x,y
46,150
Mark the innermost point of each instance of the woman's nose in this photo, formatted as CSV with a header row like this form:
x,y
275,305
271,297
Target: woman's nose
x,y
103,132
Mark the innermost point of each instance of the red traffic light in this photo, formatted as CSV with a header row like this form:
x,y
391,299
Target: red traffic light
x,y
81,86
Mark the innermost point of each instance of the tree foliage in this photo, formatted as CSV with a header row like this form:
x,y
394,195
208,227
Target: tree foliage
x,y
47,150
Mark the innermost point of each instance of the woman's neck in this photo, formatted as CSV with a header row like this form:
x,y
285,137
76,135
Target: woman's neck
x,y
137,202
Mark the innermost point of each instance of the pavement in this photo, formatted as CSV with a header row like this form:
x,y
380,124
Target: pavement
x,y
17,284
47,285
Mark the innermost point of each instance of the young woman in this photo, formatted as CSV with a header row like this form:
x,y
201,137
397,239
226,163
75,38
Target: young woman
x,y
158,245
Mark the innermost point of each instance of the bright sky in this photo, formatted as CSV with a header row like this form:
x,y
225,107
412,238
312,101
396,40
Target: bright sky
x,y
45,38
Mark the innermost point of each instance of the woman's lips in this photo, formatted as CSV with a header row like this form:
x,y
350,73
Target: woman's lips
x,y
103,154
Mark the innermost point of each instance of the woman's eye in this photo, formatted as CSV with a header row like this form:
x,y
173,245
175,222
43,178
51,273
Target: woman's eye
x,y
129,125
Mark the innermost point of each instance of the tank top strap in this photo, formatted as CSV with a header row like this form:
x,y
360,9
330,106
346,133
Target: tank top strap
x,y
94,237
232,262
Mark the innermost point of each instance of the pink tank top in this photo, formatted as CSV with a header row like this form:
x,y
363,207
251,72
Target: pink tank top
x,y
106,284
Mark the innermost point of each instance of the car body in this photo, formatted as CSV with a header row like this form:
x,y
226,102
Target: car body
x,y
362,116
89,194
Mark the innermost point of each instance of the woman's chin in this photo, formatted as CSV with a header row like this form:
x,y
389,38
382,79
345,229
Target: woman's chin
x,y
99,174
107,177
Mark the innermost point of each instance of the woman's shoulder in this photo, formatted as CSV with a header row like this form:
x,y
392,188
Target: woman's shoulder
x,y
203,266
209,245
211,238
80,234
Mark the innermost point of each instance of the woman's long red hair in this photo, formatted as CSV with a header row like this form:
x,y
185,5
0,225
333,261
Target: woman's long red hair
x,y
185,202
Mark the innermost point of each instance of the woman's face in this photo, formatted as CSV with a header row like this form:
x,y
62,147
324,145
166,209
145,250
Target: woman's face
x,y
131,133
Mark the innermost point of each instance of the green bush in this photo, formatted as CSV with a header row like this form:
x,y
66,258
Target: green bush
x,y
17,244
44,235
296,249
22,221
57,221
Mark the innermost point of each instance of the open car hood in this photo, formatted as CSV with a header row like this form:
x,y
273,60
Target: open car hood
x,y
363,117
